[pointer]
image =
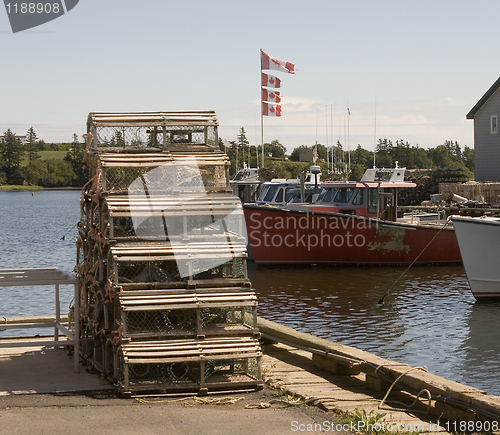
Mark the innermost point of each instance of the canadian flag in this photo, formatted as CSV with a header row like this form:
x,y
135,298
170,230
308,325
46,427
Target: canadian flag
x,y
271,109
268,62
271,96
270,81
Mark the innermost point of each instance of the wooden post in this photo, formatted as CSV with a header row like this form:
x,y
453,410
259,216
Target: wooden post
x,y
76,317
58,316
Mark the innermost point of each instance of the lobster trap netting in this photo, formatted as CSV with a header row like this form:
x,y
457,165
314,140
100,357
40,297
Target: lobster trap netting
x,y
155,136
234,268
173,221
189,322
160,322
175,270
162,178
147,271
230,318
189,374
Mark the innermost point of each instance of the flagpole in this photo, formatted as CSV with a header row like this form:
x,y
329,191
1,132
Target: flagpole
x,y
267,62
261,114
375,134
262,134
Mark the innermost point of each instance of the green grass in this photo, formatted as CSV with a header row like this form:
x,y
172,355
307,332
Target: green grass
x,y
14,187
45,155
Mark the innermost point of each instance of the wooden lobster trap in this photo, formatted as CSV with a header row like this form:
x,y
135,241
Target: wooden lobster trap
x,y
165,300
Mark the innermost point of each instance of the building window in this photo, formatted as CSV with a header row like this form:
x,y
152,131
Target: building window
x,y
493,124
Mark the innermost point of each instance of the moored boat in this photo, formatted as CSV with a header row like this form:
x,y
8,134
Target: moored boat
x,y
348,223
478,239
285,236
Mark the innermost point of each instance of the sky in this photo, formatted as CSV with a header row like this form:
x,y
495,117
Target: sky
x,y
403,69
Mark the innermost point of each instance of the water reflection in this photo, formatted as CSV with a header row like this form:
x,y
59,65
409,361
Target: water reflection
x,y
428,318
481,346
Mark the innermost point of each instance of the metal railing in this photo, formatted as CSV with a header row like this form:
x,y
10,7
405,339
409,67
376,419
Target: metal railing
x,y
37,277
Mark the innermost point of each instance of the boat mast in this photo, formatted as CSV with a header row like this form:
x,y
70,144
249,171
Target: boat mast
x,y
348,142
375,134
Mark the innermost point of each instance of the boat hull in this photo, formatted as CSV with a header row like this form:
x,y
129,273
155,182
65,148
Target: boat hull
x,y
282,236
478,240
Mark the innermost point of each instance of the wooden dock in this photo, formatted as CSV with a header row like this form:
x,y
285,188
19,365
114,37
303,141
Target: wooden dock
x,y
345,379
293,371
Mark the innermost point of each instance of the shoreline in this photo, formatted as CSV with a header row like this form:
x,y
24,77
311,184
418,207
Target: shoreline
x,y
22,188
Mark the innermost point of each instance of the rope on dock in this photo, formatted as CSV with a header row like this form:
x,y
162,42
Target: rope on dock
x,y
404,405
196,400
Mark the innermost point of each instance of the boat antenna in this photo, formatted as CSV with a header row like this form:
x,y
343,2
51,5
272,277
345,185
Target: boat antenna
x,y
326,125
375,134
331,133
381,300
317,119
256,146
348,140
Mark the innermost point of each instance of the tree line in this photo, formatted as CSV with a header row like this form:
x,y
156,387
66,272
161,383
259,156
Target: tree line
x,y
21,163
336,161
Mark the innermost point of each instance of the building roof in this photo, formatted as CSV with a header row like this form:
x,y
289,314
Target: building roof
x,y
483,99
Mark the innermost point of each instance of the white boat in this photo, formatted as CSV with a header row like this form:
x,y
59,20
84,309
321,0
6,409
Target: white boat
x,y
250,188
246,184
479,240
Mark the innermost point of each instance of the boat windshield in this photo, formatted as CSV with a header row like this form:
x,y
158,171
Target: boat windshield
x,y
327,195
372,200
288,194
241,175
279,196
311,196
358,199
344,194
277,193
268,193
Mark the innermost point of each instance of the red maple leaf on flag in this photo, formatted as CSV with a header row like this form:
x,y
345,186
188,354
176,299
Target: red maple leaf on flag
x,y
271,80
272,95
271,109
268,62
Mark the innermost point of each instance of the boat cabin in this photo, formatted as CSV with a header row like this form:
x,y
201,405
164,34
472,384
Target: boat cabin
x,y
280,191
374,196
359,199
245,184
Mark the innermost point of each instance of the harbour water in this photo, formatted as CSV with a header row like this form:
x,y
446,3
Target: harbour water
x,y
429,318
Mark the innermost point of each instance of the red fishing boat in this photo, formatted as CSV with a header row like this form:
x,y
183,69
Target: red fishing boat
x,y
349,223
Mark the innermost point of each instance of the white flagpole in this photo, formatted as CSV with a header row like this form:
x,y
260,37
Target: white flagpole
x,y
375,134
348,139
261,114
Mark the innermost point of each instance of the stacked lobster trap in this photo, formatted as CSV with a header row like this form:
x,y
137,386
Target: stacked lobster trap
x,y
165,300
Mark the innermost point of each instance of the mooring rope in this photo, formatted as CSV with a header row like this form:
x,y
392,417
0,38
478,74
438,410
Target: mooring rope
x,y
405,407
381,300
